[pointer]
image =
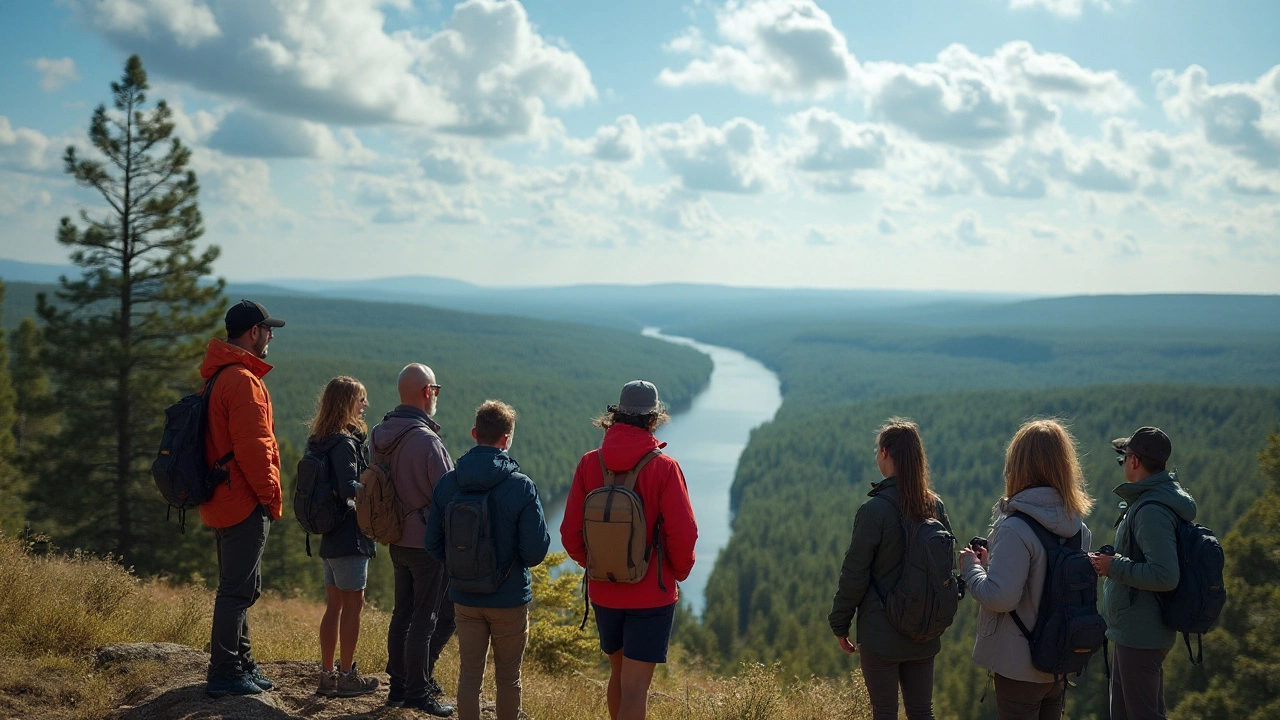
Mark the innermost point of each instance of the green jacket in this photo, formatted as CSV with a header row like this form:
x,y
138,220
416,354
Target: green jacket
x,y
1146,562
875,553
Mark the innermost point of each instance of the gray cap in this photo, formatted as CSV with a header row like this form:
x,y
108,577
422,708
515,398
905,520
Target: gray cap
x,y
639,397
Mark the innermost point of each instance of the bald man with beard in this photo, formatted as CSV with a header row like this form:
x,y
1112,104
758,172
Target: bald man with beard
x,y
408,440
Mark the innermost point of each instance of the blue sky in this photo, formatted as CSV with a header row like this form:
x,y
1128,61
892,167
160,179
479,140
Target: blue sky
x,y
1055,146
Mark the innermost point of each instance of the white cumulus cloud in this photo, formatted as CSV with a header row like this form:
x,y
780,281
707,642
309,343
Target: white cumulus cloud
x,y
1243,118
784,48
54,72
732,158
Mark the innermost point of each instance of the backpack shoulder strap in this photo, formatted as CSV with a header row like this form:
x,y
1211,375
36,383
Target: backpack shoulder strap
x,y
627,479
1046,536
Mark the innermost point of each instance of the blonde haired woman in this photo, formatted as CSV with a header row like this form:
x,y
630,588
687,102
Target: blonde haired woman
x,y
1042,479
338,431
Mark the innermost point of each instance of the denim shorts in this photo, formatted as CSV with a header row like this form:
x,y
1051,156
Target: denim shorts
x,y
641,634
347,573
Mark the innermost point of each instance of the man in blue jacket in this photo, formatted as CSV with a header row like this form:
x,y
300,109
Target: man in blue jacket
x,y
1145,563
493,606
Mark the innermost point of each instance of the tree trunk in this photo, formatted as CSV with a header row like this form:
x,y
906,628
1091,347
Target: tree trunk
x,y
124,429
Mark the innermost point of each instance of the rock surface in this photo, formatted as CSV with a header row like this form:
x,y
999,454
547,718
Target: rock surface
x,y
179,695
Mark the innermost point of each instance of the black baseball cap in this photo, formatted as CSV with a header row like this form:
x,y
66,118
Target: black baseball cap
x,y
1147,442
247,313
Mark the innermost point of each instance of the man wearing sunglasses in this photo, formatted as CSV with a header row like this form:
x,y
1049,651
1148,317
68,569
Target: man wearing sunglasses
x,y
1145,563
422,621
240,436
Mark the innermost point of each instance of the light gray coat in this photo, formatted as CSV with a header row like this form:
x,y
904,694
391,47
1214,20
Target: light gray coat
x,y
1014,580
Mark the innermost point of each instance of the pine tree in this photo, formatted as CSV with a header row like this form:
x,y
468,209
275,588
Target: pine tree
x,y
123,338
36,420
11,480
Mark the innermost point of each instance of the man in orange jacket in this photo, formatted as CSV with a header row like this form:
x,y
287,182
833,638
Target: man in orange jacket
x,y
240,435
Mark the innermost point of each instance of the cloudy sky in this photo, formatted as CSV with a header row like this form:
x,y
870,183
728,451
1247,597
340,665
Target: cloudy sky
x,y
1054,146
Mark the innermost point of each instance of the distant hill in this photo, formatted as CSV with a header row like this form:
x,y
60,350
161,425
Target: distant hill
x,y
16,271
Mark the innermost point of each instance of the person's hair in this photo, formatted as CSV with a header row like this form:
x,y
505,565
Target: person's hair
x,y
1152,466
339,409
648,421
1043,454
235,334
494,419
900,438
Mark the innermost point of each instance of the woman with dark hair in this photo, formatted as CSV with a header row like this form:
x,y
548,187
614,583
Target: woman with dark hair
x,y
634,615
338,431
873,565
1042,479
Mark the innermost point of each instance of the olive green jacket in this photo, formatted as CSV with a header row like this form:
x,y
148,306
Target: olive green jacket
x,y
1146,562
875,555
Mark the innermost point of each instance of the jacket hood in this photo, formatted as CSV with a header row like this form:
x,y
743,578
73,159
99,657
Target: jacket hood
x,y
326,443
483,467
624,445
395,423
1162,487
1045,505
220,353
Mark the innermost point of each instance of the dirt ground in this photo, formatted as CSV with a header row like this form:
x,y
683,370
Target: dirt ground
x,y
180,695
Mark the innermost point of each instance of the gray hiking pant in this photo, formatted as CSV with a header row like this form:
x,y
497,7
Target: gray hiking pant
x,y
239,586
883,678
1137,684
1021,700
421,622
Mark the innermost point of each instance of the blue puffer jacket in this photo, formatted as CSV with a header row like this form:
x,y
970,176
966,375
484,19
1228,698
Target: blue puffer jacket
x,y
520,529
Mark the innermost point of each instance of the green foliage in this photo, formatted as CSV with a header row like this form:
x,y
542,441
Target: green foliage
x,y
555,642
12,483
801,480
1241,674
122,338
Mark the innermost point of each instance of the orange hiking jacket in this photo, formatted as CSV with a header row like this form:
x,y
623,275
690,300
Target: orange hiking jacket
x,y
240,420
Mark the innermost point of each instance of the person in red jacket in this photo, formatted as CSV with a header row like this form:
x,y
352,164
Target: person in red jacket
x,y
634,620
240,435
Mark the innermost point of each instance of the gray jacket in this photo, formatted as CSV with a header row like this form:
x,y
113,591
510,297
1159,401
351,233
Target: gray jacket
x,y
1014,580
1146,562
417,464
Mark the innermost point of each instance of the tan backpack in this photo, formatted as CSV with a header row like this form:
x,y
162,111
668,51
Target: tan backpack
x,y
379,512
613,526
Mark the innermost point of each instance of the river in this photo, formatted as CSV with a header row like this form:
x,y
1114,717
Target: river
x,y
707,439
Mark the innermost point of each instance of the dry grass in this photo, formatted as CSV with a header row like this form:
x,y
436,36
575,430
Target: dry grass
x,y
55,610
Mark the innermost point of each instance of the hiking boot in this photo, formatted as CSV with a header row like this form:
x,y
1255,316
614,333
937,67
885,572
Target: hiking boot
x,y
350,684
395,696
234,685
434,689
254,673
429,705
328,683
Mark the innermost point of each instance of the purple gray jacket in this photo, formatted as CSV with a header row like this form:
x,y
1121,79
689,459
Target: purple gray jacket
x,y
418,459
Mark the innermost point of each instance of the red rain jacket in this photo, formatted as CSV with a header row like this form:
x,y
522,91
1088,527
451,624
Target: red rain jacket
x,y
662,487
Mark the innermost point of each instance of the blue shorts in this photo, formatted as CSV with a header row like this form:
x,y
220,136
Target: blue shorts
x,y
642,635
347,573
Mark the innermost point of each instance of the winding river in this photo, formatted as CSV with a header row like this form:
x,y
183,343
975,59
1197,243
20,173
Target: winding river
x,y
707,439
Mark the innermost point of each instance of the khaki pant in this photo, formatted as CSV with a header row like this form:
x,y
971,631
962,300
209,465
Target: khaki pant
x,y
508,629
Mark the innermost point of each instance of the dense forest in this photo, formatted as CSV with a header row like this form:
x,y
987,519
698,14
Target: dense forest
x,y
557,375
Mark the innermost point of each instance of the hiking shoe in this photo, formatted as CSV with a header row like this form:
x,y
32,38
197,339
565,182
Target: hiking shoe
x,y
350,684
255,675
395,696
328,683
234,685
434,689
429,705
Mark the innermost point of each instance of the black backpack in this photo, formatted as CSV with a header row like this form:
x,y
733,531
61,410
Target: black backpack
x,y
179,469
470,555
316,503
1193,607
924,602
1069,629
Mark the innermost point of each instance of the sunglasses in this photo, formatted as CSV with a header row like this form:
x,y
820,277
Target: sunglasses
x,y
1122,459
436,388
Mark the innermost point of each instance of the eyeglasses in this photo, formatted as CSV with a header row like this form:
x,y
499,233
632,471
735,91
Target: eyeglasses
x,y
433,386
270,330
1122,459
